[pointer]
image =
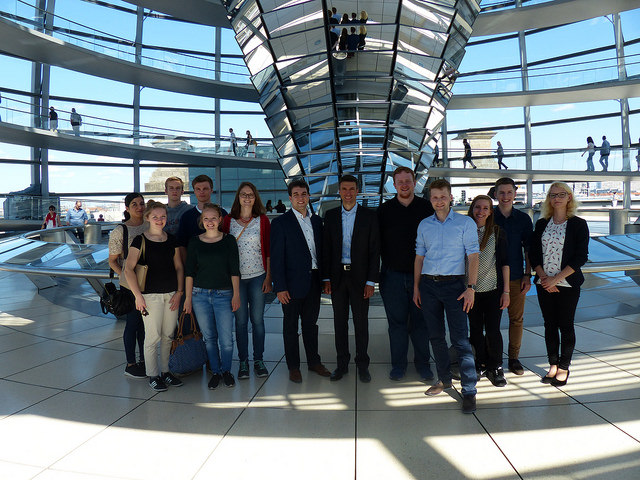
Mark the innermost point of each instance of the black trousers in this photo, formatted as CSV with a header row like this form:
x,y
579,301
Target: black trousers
x,y
307,309
348,293
484,329
559,310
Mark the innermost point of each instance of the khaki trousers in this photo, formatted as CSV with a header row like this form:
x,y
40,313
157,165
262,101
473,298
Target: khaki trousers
x,y
516,314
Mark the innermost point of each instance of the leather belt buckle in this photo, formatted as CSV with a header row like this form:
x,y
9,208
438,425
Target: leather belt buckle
x,y
346,267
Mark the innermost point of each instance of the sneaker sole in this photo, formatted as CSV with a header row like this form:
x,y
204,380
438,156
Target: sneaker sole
x,y
230,386
244,377
158,389
127,374
262,375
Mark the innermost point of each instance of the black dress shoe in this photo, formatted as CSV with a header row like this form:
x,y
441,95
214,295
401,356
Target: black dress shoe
x,y
337,374
560,383
365,376
468,404
547,379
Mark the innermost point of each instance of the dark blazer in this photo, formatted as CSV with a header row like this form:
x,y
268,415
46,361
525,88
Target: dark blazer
x,y
365,247
574,253
290,256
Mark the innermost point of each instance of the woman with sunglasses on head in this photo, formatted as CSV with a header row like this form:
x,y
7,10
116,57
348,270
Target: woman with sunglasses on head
x,y
134,328
212,283
250,226
492,292
159,300
559,248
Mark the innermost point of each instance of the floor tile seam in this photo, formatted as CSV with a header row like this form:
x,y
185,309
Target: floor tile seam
x,y
495,442
49,467
637,440
2,352
610,364
51,361
78,472
631,322
607,334
244,409
60,339
614,400
17,412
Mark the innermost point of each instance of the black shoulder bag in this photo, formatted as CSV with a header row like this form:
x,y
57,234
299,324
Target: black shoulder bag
x,y
118,301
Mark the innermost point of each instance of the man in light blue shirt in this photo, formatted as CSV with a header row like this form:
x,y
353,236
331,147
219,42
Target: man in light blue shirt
x,y
444,242
77,217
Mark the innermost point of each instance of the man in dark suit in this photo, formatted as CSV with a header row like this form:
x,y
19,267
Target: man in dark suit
x,y
296,247
351,265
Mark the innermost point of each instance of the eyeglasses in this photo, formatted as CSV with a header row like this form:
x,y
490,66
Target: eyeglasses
x,y
247,195
558,195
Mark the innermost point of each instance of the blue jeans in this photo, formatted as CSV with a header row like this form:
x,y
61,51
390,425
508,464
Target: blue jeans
x,y
215,317
438,298
405,320
251,306
590,167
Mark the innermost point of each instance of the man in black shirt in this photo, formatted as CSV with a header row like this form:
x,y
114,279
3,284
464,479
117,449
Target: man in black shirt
x,y
399,219
202,188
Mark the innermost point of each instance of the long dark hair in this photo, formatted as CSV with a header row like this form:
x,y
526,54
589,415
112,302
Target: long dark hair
x,y
127,201
258,208
490,226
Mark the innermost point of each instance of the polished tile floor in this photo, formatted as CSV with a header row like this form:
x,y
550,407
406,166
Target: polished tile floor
x,y
68,412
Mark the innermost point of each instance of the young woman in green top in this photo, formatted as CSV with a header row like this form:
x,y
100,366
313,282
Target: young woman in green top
x,y
212,290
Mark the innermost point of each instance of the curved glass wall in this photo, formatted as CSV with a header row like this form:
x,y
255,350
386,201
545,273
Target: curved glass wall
x,y
539,137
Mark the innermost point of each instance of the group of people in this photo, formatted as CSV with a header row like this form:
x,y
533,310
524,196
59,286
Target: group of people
x,y
250,145
605,151
427,259
75,119
467,155
347,34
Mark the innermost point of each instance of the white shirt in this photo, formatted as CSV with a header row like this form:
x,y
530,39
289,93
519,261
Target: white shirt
x,y
552,244
248,248
307,231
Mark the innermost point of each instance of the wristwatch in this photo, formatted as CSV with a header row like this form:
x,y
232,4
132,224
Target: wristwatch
x,y
472,286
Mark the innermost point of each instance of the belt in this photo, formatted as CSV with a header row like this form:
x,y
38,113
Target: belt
x,y
346,267
443,278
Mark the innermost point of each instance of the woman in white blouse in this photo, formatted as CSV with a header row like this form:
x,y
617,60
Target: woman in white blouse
x,y
248,223
559,248
591,150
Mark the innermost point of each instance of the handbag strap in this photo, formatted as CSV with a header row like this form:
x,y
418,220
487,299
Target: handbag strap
x,y
142,249
245,227
180,324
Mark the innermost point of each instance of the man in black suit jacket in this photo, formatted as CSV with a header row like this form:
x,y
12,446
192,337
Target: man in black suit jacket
x,y
351,266
296,248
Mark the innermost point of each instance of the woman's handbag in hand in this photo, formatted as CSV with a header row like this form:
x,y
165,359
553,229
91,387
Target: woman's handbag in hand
x,y
188,352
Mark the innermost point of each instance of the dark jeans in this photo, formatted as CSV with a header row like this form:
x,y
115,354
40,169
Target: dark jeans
x,y
346,293
559,310
251,307
133,332
307,309
485,317
438,298
405,320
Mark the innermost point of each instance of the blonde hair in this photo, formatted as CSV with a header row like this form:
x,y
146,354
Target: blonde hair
x,y
152,205
546,210
209,206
